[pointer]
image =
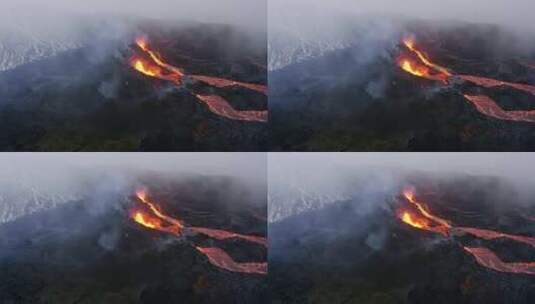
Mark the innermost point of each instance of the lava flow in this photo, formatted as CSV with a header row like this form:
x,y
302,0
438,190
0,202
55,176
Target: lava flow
x,y
160,69
489,107
218,257
223,235
491,235
419,70
485,257
425,68
155,223
422,218
147,68
221,259
410,44
219,105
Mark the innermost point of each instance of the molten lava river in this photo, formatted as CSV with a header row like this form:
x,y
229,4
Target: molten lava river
x,y
417,214
156,219
156,67
417,63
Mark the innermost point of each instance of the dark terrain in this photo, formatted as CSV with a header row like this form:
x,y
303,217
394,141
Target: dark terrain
x,y
344,102
90,99
78,253
342,254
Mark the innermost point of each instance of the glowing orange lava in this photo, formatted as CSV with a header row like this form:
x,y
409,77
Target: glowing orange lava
x,y
218,257
485,257
483,104
145,67
409,195
410,44
412,220
216,104
142,195
146,220
424,67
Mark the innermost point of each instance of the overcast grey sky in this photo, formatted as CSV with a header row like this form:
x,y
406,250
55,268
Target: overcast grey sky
x,y
516,14
50,168
243,164
243,12
517,167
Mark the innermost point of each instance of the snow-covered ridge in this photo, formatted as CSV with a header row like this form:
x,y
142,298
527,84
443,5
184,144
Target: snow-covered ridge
x,y
15,51
24,39
17,204
297,200
282,54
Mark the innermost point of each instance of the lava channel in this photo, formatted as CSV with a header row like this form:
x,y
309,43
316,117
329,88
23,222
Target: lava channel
x,y
491,235
422,218
487,258
484,104
487,106
160,69
221,259
221,107
218,257
490,83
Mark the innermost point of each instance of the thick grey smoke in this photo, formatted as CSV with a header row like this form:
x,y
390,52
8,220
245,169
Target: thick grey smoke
x,y
300,29
305,181
31,182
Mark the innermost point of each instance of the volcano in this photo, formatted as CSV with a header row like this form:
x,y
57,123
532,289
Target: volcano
x,y
461,239
189,86
431,87
76,253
